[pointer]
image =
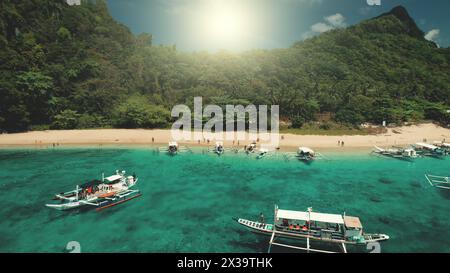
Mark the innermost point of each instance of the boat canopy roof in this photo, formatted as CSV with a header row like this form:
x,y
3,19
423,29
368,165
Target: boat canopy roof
x,y
293,215
327,218
352,222
427,146
306,150
447,145
313,216
113,178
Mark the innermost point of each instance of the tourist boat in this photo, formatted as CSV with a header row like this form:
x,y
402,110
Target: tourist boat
x,y
398,153
313,226
95,192
440,182
173,149
219,148
444,146
250,149
306,154
429,150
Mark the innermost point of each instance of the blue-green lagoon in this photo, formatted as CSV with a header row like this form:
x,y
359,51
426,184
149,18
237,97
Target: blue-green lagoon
x,y
189,200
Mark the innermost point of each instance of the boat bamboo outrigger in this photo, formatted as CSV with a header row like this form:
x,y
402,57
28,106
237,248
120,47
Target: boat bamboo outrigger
x,y
263,152
313,226
429,150
440,182
396,152
99,193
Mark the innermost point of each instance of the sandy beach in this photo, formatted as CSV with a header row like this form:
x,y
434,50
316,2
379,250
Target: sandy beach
x,y
394,136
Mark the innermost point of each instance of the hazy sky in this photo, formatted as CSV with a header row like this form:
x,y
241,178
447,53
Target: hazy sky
x,y
237,25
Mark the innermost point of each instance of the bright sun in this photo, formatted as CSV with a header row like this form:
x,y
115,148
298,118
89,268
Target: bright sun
x,y
225,25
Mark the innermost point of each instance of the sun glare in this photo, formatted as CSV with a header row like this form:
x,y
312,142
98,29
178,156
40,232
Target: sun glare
x,y
225,25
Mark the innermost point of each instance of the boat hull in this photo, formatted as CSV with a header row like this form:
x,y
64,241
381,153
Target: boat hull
x,y
65,207
117,201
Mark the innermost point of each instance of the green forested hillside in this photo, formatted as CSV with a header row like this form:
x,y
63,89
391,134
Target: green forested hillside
x,y
75,67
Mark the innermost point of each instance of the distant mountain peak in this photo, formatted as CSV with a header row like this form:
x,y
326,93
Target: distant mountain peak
x,y
402,14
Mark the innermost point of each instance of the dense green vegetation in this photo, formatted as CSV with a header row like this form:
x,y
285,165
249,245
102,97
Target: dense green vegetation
x,y
68,67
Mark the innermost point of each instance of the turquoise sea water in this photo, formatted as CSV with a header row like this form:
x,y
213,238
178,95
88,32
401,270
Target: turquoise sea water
x,y
189,200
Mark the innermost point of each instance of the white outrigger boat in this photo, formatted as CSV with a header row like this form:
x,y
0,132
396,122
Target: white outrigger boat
x,y
426,149
250,149
398,153
173,149
313,226
109,191
440,182
306,154
218,149
444,146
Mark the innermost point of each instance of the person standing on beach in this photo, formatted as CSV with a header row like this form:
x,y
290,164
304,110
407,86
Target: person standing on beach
x,y
342,143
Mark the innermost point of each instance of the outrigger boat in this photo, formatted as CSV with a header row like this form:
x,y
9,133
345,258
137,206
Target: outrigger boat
x,y
444,146
440,182
398,153
250,149
306,154
173,149
218,149
429,150
313,226
109,191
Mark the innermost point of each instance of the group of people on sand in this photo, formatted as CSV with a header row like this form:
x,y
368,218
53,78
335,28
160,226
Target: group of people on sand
x,y
341,143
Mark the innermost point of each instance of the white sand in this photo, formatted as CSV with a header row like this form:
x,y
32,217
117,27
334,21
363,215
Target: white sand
x,y
403,136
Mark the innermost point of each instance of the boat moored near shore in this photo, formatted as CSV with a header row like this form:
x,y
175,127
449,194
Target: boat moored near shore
x,y
306,154
397,153
218,149
173,149
429,150
444,146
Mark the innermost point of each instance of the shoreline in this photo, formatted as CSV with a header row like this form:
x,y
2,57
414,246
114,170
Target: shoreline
x,y
154,147
401,136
